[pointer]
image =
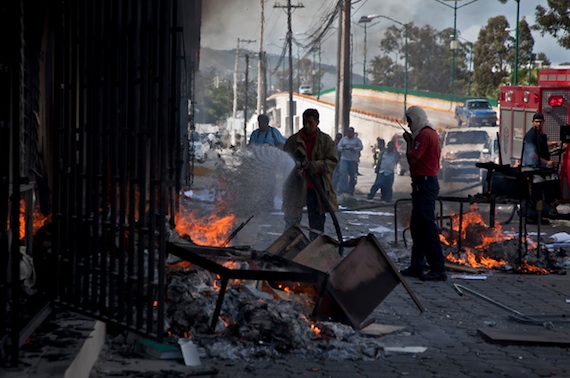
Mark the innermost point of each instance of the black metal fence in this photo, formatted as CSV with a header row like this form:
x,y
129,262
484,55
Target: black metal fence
x,y
105,156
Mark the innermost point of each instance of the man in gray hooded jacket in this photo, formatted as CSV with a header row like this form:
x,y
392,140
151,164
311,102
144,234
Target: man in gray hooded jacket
x,y
423,153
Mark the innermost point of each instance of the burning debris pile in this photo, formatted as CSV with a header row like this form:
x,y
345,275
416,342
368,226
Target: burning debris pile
x,y
255,323
491,247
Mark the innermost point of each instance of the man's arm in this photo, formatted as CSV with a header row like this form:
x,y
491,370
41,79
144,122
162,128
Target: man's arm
x,y
409,140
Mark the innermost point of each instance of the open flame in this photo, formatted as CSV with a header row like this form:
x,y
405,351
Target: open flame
x,y
474,255
38,220
212,230
473,218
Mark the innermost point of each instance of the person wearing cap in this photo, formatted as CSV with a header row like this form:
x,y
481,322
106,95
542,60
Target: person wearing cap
x,y
423,152
536,154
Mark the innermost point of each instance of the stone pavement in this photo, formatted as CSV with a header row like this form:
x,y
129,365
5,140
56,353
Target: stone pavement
x,y
448,329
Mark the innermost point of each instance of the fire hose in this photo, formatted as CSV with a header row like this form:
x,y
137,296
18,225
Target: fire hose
x,y
317,181
321,193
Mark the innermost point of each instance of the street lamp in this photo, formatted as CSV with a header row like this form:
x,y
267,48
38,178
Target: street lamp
x,y
516,74
470,65
453,44
405,55
365,20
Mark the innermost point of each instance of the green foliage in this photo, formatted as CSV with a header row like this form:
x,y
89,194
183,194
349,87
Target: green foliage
x,y
214,97
491,57
555,21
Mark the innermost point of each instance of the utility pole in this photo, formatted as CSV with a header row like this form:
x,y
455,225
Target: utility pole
x,y
261,67
290,8
234,112
342,115
244,142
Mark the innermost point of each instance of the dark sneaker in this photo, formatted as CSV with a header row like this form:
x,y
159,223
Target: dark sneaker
x,y
410,272
433,276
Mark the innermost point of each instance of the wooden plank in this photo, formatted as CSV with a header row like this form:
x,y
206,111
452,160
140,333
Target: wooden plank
x,y
376,329
463,268
511,337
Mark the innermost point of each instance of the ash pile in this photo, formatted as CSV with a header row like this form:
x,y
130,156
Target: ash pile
x,y
299,297
474,244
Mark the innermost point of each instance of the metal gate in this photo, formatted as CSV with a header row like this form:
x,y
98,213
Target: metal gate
x,y
109,80
115,149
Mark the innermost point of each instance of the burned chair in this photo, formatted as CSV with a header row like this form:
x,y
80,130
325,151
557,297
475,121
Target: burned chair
x,y
527,187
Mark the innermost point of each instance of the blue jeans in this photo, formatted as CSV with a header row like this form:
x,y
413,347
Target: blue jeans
x,y
336,178
348,168
425,234
385,183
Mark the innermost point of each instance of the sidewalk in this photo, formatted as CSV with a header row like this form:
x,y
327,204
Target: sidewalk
x,y
449,329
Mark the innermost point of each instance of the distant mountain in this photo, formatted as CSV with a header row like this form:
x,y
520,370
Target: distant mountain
x,y
223,61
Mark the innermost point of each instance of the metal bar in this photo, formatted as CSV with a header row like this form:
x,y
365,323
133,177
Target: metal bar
x,y
135,113
459,288
143,155
460,227
26,332
219,303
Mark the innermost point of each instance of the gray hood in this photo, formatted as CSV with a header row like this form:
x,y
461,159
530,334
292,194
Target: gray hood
x,y
419,120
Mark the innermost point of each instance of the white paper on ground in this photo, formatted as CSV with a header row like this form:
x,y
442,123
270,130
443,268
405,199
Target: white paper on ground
x,y
468,277
381,229
560,237
380,213
406,349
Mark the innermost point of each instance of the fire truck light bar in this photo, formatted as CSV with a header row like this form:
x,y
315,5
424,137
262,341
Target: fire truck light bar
x,y
555,101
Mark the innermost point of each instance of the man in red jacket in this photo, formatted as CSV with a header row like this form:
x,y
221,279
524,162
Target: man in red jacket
x,y
423,153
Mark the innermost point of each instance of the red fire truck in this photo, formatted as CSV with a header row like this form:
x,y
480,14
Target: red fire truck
x,y
518,104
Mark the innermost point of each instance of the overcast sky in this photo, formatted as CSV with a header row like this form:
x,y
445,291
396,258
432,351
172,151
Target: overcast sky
x,y
224,21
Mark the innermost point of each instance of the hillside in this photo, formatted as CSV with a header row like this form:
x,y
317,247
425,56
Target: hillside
x,y
222,62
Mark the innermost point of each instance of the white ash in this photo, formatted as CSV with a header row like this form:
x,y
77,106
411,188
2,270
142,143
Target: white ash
x,y
257,324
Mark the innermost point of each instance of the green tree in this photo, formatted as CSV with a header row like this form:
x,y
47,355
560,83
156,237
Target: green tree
x,y
430,64
382,71
214,97
490,57
554,21
429,60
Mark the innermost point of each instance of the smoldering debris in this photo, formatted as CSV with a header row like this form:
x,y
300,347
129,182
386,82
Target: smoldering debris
x,y
254,323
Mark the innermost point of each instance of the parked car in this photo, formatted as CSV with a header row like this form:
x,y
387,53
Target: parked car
x,y
305,89
489,153
461,150
477,112
400,143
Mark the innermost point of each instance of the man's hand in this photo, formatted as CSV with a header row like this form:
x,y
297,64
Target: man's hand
x,y
408,137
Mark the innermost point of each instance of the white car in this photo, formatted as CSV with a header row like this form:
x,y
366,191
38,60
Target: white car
x,y
461,150
305,89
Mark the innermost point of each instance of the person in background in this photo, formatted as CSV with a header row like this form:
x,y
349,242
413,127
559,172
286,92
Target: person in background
x,y
565,173
423,153
266,134
387,162
336,172
315,159
536,153
349,147
536,145
377,150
